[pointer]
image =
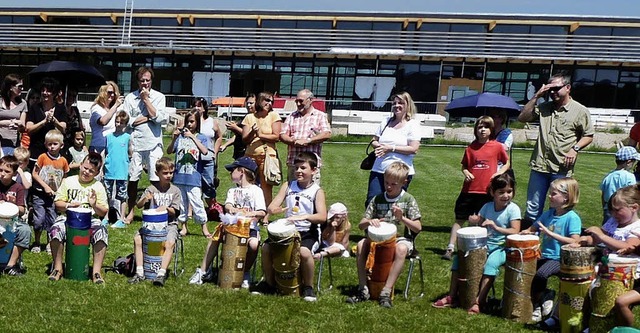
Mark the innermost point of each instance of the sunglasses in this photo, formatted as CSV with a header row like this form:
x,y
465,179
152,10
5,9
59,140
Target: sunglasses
x,y
19,86
556,89
111,92
268,100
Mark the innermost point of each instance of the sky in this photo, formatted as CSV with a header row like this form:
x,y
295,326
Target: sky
x,y
606,8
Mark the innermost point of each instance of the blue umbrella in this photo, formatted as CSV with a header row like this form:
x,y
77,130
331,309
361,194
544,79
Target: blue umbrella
x,y
480,104
69,73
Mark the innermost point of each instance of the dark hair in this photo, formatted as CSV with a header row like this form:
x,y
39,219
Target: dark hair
x,y
94,158
566,78
8,83
502,181
261,97
51,84
11,161
307,157
486,121
143,70
33,94
202,101
196,115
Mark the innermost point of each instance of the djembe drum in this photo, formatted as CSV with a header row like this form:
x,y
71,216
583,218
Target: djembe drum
x,y
78,226
154,235
284,241
381,254
234,253
576,274
472,255
522,254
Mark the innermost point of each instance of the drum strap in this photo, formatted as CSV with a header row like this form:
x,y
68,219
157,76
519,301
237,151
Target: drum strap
x,y
521,251
371,258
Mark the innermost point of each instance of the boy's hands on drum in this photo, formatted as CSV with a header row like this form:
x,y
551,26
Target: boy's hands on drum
x,y
628,250
161,209
73,204
375,222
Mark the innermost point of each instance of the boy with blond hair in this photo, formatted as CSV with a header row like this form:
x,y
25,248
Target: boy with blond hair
x,y
48,172
13,192
23,176
395,206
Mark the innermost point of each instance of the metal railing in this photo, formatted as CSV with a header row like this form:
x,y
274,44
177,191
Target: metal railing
x,y
415,43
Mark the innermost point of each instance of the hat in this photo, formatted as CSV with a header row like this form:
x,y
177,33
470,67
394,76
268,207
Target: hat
x,y
336,208
245,162
627,153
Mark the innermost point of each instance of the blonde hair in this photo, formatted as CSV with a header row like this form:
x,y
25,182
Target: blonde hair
x,y
124,116
54,136
22,154
628,195
486,121
103,97
397,170
165,163
411,106
569,187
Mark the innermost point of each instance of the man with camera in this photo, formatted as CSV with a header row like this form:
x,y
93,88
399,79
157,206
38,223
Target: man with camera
x,y
565,129
146,109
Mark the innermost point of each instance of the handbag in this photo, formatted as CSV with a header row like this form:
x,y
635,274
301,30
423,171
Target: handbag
x,y
272,170
370,159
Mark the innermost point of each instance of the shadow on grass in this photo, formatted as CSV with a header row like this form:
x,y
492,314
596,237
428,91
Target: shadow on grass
x,y
438,229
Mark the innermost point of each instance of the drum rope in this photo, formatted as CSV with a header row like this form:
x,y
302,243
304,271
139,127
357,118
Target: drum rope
x,y
521,251
516,292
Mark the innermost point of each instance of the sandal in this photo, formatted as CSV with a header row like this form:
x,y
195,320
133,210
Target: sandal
x,y
445,302
474,309
55,275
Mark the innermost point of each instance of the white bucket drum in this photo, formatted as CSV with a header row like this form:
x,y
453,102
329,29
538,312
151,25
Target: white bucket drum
x,y
471,238
382,233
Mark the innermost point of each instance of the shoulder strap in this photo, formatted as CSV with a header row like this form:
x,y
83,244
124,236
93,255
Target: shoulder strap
x,y
384,128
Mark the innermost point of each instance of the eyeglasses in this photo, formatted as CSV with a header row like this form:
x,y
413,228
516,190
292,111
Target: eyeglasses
x,y
268,100
19,86
111,92
300,101
144,80
556,89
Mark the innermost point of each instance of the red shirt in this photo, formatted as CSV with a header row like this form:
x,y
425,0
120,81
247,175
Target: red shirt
x,y
482,161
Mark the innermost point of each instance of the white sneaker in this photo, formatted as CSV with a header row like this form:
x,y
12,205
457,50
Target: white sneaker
x,y
245,284
536,316
547,307
196,278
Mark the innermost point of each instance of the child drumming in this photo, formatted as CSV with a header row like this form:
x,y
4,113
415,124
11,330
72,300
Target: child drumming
x,y
116,168
13,192
163,196
393,206
622,176
48,172
305,207
76,153
335,233
189,146
501,217
84,191
624,303
245,199
479,164
558,226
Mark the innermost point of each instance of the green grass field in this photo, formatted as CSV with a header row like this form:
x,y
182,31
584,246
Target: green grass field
x,y
34,304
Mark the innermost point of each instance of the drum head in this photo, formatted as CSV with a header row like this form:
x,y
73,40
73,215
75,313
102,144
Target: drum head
x,y
472,232
382,233
8,210
80,210
522,238
281,228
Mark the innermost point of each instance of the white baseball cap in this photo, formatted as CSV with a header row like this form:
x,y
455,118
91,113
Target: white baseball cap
x,y
336,208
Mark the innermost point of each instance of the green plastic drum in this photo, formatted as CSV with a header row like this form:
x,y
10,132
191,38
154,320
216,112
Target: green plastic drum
x,y
78,239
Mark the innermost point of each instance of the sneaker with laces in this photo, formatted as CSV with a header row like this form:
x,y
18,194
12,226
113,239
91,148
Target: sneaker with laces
x,y
136,279
245,284
12,271
308,294
196,278
263,288
536,316
448,254
97,278
361,296
385,301
160,280
547,302
35,248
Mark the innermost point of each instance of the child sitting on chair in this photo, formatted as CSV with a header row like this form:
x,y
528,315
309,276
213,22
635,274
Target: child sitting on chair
x,y
245,199
13,192
393,206
305,207
335,233
162,196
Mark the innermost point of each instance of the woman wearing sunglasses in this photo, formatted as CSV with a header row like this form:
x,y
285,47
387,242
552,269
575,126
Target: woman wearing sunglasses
x,y
13,112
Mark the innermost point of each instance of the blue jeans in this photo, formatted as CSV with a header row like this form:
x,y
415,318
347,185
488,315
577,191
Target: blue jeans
x,y
539,183
376,186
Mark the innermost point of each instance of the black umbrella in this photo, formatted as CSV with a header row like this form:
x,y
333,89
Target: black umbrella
x,y
477,105
69,73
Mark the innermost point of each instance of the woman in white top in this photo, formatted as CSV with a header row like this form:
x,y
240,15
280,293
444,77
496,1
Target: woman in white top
x,y
208,127
13,112
102,120
396,139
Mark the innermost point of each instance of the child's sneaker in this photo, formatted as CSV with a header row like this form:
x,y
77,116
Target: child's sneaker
x,y
105,222
48,248
245,284
35,248
12,271
263,288
119,225
448,254
385,301
308,294
536,316
547,302
160,280
361,296
196,278
136,279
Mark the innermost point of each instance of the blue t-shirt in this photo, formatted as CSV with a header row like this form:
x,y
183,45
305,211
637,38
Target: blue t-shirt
x,y
615,180
502,219
116,162
189,165
565,225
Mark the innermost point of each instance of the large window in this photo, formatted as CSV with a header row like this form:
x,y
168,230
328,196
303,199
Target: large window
x,y
518,81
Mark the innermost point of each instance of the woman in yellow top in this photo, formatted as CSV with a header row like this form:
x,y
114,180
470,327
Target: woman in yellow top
x,y
260,132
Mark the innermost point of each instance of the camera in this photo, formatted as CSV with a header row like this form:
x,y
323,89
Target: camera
x,y
182,130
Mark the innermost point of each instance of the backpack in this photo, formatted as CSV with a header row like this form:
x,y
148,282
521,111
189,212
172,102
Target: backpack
x,y
125,266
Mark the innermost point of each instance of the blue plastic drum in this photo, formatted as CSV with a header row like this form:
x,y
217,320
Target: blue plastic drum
x,y
8,216
154,235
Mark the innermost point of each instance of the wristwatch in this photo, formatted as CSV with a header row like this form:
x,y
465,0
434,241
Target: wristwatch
x,y
577,148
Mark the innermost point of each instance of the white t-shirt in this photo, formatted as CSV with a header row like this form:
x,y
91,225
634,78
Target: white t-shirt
x,y
399,137
251,198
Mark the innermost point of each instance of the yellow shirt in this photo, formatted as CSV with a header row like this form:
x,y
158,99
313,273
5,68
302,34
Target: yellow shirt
x,y
256,147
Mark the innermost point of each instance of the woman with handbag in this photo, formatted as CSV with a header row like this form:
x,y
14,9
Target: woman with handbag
x,y
261,131
396,139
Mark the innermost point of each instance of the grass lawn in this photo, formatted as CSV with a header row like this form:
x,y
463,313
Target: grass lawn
x,y
34,304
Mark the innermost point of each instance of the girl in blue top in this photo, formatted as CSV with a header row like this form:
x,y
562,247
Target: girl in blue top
x,y
189,146
558,226
501,217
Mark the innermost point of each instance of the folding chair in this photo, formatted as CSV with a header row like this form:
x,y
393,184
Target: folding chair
x,y
413,257
178,256
320,269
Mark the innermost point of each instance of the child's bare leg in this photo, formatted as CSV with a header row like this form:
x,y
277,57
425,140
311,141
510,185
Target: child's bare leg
x,y
453,237
15,256
37,236
267,265
56,253
169,245
453,285
252,253
210,253
623,307
99,251
396,267
485,286
307,265
123,211
363,252
137,250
